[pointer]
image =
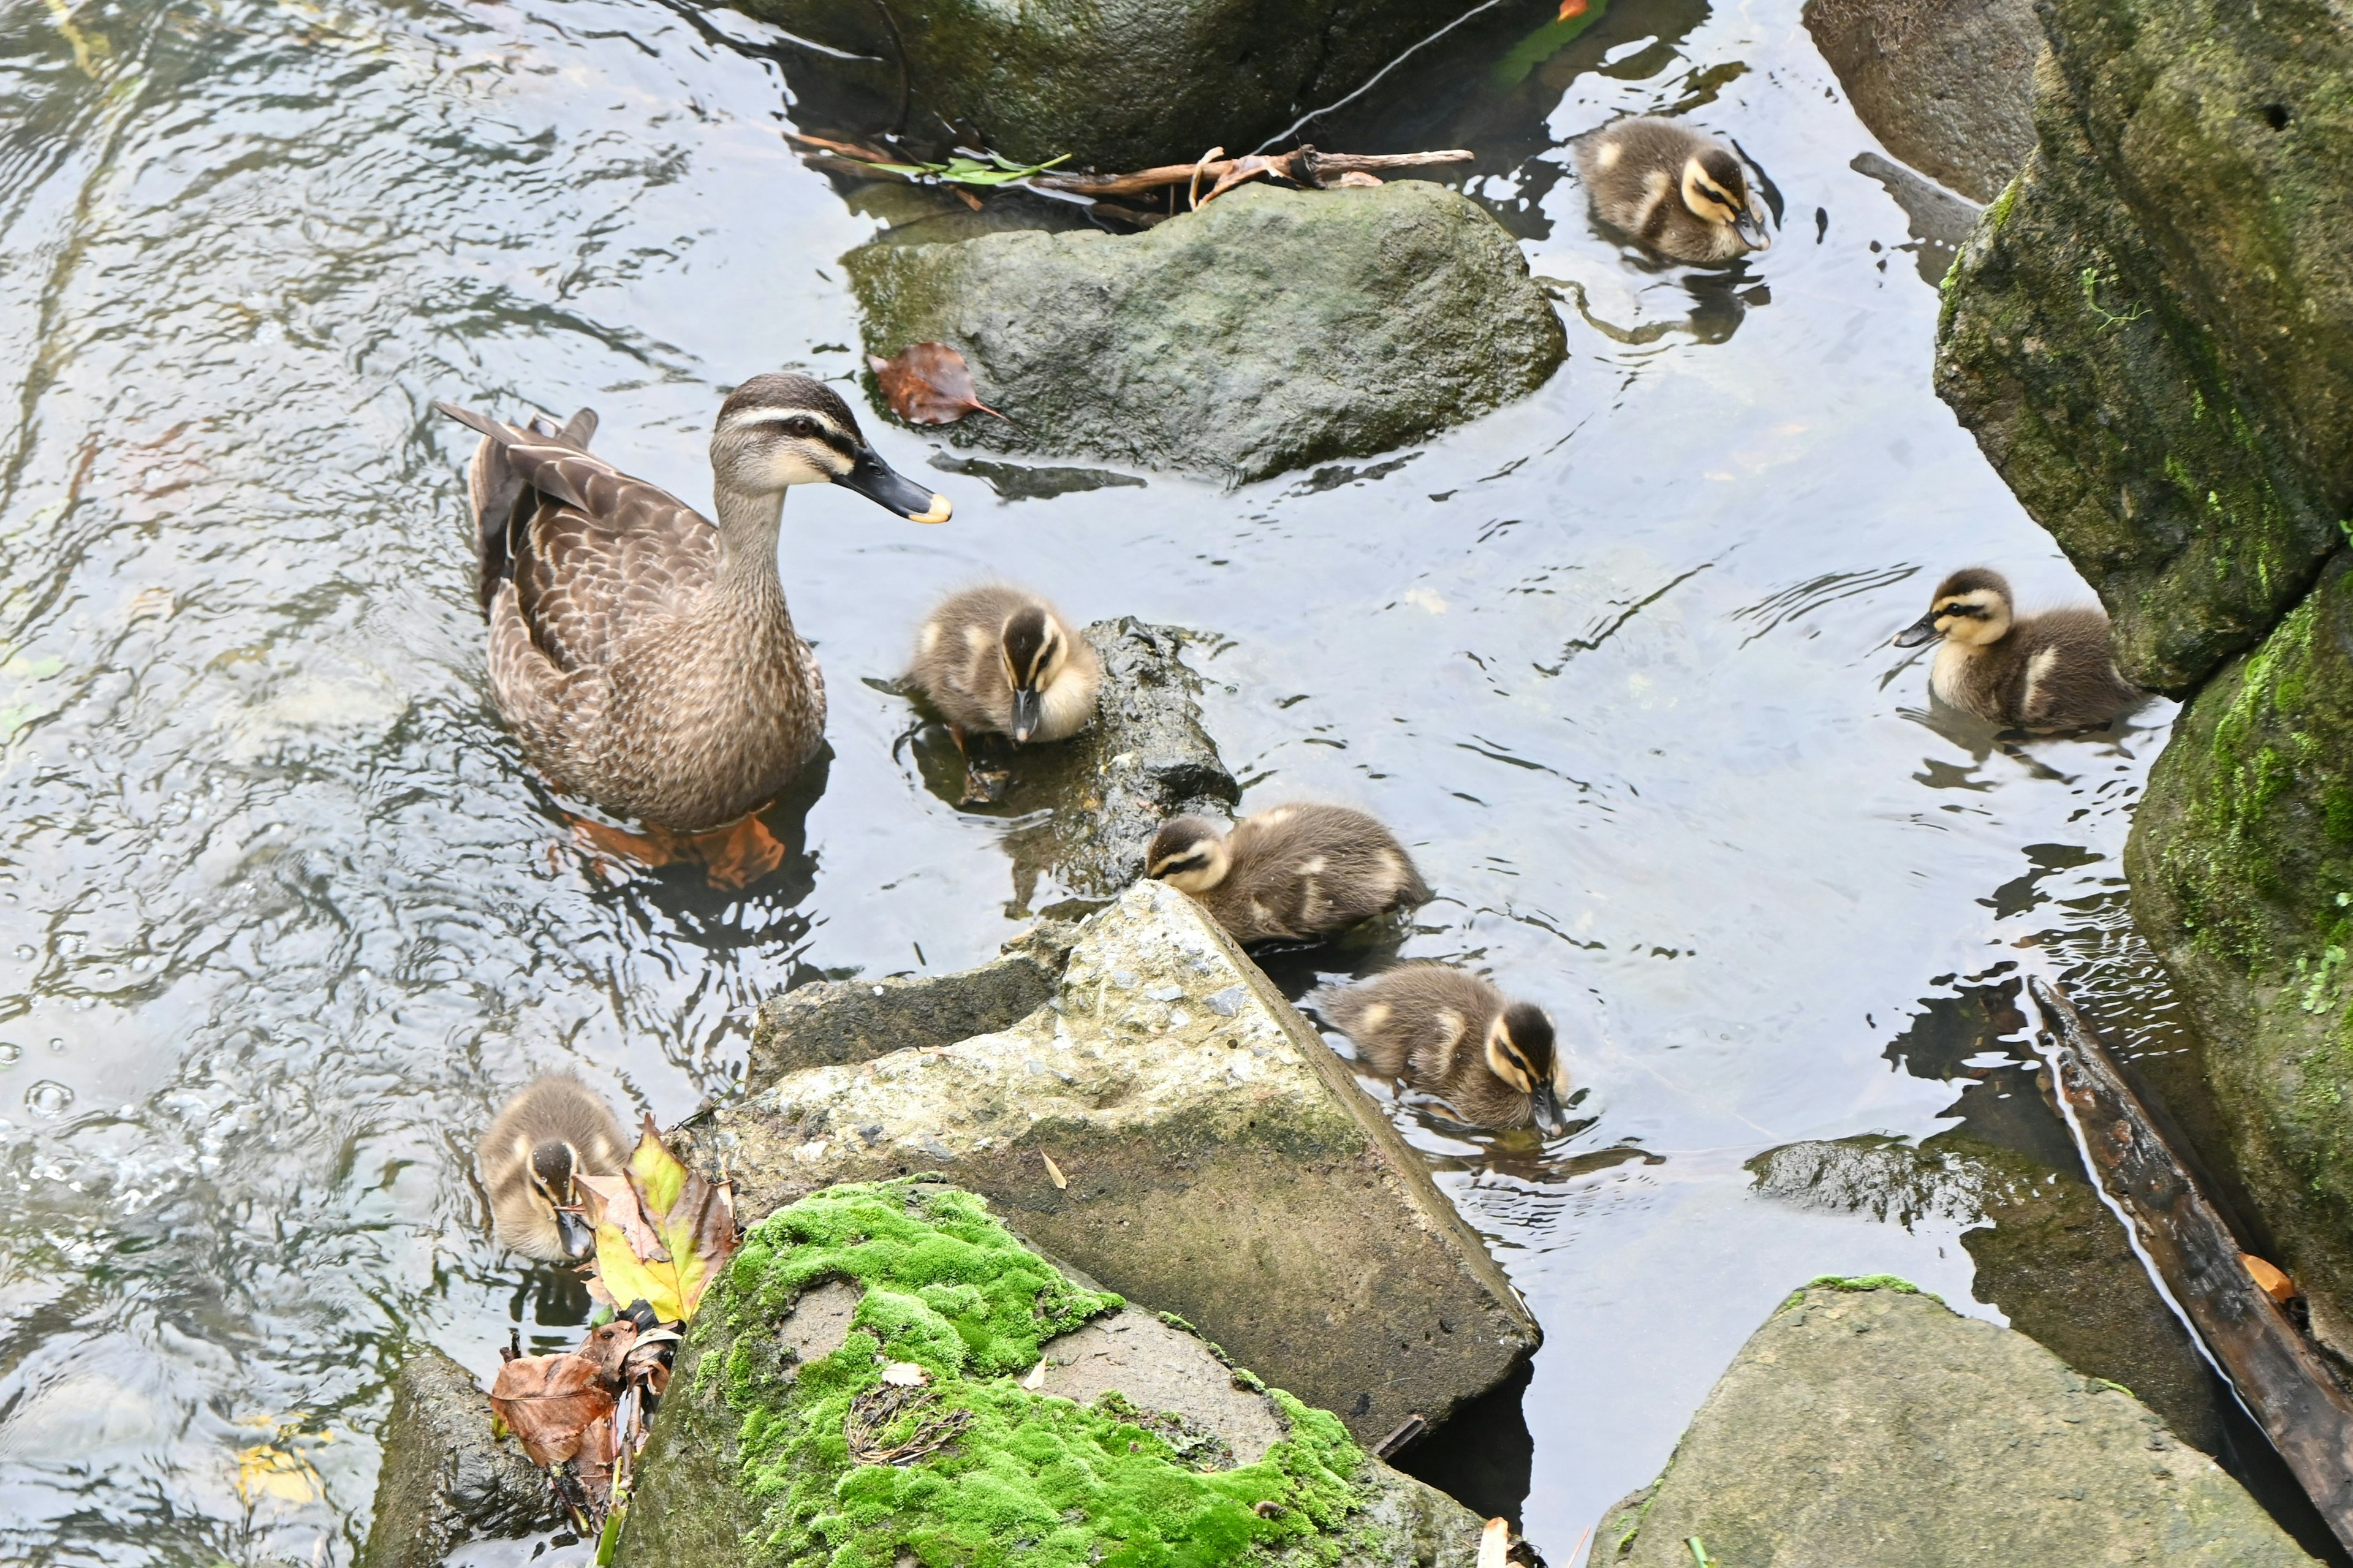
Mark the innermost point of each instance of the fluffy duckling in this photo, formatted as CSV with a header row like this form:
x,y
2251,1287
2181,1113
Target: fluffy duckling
x,y
1291,873
1682,194
555,1128
996,660
1449,1032
2046,671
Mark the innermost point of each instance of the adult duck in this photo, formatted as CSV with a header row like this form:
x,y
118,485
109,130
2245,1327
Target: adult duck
x,y
642,652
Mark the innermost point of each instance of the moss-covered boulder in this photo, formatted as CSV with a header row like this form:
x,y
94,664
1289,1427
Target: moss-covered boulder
x,y
1117,84
2241,869
1865,1423
2151,335
1271,328
885,1375
1948,85
1170,1125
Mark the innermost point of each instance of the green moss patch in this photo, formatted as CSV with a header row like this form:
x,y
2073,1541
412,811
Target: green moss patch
x,y
990,1473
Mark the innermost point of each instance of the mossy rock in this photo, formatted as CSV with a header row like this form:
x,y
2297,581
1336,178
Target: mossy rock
x,y
2151,334
2241,868
1269,329
1870,1425
1117,84
777,1445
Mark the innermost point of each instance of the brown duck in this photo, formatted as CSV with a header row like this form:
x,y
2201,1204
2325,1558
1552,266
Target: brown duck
x,y
1450,1034
642,652
1296,872
2046,671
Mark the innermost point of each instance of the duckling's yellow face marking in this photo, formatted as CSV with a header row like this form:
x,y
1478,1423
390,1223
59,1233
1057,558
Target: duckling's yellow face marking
x,y
1188,855
552,1166
1708,197
1977,618
1507,1061
1033,649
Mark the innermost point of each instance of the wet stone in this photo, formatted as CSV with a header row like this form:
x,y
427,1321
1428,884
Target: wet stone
x,y
1222,1166
1872,1425
445,1480
1948,85
1271,330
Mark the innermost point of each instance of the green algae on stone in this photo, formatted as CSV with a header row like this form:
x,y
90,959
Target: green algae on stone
x,y
1029,1479
1270,330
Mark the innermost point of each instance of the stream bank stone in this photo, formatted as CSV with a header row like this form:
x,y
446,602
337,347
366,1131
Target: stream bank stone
x,y
1948,85
1269,329
1875,1426
1170,1125
1066,1424
446,1480
1117,84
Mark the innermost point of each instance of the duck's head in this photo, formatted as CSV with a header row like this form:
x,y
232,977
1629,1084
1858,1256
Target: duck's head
x,y
1520,1051
779,430
1715,188
552,1164
1036,650
1971,607
1189,854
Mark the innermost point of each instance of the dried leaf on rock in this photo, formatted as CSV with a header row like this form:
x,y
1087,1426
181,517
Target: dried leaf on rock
x,y
612,1198
663,1248
927,384
1355,177
549,1401
905,1375
1249,168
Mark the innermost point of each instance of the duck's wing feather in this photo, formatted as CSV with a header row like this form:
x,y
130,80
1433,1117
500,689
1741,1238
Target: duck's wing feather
x,y
589,549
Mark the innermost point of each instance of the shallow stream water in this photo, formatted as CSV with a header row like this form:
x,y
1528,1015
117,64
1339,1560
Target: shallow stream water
x,y
283,917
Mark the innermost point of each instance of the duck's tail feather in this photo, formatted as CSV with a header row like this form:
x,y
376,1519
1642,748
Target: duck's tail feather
x,y
500,494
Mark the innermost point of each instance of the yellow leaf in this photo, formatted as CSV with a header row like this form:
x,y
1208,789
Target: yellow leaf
x,y
263,1471
659,1175
629,1278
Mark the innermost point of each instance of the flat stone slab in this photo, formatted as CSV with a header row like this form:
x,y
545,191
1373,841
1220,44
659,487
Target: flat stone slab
x,y
1269,329
1171,1126
1159,1366
1875,1426
446,1480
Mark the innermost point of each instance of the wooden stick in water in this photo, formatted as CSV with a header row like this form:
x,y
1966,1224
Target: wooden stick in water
x,y
2276,1372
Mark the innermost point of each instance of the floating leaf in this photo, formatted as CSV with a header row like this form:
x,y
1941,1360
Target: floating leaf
x,y
988,169
266,1470
927,384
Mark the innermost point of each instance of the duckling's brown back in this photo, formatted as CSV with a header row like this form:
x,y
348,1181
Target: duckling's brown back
x,y
1307,868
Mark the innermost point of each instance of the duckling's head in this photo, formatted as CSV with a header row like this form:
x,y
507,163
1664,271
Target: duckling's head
x,y
552,1163
779,430
1189,854
1715,189
1036,649
1970,607
1520,1051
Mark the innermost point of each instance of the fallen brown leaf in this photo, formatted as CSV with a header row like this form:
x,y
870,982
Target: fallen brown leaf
x,y
548,1401
1357,178
927,384
1249,168
2270,1277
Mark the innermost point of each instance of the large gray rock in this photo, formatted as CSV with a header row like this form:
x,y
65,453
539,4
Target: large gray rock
x,y
2048,1253
1096,1424
1118,84
1170,1125
1271,328
1873,1425
1948,85
445,1480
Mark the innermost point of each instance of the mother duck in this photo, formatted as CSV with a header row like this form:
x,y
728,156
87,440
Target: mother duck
x,y
642,652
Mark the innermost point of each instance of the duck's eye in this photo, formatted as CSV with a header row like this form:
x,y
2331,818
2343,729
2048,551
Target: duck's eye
x,y
801,427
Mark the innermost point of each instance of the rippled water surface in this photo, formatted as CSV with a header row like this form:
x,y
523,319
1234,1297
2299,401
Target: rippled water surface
x,y
284,917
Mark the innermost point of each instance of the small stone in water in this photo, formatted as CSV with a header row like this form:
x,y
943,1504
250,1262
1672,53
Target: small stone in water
x,y
48,1098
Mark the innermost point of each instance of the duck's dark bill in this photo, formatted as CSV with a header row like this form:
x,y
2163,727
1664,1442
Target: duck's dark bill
x,y
578,1239
885,486
1027,706
1751,228
1919,631
1551,1120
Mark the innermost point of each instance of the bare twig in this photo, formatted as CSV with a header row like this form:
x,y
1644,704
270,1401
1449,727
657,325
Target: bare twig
x,y
2276,1372
872,1412
1305,164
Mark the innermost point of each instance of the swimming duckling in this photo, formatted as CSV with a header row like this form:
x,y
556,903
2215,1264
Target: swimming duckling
x,y
1449,1032
998,660
554,1129
1290,873
1682,194
2046,671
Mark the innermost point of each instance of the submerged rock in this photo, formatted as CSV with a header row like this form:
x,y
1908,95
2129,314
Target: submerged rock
x,y
1118,84
1948,85
2048,1252
1025,1412
446,1480
1866,1423
1269,329
1170,1125
2151,334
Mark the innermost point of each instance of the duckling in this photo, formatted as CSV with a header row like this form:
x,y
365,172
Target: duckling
x,y
1682,194
554,1129
998,660
640,651
1291,873
2046,671
1449,1032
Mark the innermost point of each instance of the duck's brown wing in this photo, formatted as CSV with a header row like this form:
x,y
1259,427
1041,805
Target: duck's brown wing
x,y
589,549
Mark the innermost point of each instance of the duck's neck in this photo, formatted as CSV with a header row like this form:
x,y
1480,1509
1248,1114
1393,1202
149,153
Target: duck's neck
x,y
748,525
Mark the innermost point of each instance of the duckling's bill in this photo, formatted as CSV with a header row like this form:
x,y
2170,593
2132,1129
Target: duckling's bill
x,y
879,482
578,1237
1551,1117
1920,631
1750,226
